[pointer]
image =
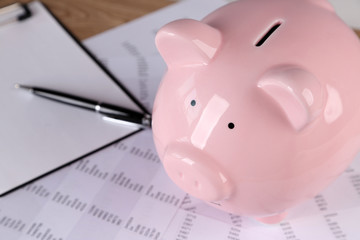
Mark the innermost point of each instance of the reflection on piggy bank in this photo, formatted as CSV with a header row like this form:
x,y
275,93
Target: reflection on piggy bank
x,y
259,108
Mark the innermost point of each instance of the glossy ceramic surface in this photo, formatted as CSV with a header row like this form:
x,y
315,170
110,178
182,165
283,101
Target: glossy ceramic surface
x,y
259,108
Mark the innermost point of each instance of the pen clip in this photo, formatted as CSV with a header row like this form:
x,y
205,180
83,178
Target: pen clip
x,y
144,121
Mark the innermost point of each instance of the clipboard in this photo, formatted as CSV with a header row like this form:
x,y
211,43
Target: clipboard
x,y
39,136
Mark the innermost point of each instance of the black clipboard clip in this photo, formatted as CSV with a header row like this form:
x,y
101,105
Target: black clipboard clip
x,y
14,12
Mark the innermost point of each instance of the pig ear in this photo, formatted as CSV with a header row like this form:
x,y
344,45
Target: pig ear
x,y
323,3
187,42
297,93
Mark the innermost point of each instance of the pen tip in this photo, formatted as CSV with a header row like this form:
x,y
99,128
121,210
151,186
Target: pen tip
x,y
18,86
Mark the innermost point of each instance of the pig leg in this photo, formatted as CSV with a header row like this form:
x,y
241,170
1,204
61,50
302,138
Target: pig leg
x,y
274,219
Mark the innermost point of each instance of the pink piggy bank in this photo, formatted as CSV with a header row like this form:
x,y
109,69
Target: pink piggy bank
x,y
260,107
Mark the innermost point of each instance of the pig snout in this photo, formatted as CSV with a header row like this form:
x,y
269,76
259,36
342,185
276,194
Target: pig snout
x,y
196,173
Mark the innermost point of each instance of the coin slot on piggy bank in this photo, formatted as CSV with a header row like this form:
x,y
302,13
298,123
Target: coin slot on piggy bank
x,y
273,28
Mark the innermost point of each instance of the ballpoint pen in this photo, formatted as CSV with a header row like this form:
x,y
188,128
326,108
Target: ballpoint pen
x,y
108,111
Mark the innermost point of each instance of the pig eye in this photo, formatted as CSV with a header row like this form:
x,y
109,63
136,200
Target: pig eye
x,y
231,125
193,103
